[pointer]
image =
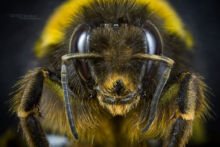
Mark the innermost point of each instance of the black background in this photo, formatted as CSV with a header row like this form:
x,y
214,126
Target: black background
x,y
23,20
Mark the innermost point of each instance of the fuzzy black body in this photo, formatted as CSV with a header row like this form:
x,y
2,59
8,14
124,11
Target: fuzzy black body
x,y
181,103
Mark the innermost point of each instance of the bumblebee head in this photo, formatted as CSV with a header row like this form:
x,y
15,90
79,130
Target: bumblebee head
x,y
109,61
117,46
119,49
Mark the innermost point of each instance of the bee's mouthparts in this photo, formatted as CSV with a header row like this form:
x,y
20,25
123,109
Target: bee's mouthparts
x,y
119,100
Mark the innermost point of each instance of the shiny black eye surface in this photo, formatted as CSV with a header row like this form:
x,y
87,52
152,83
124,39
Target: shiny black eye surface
x,y
152,40
80,39
80,44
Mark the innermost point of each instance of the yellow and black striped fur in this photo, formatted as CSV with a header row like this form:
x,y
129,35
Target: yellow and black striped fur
x,y
182,101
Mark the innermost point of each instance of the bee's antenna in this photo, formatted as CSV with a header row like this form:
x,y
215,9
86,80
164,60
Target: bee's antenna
x,y
64,81
162,82
156,97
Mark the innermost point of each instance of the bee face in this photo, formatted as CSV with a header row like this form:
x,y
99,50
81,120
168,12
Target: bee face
x,y
118,76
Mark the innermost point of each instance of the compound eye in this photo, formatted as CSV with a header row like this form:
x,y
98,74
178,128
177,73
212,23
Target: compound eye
x,y
152,40
80,39
80,44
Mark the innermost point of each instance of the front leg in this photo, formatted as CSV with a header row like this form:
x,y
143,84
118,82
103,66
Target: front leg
x,y
191,106
27,99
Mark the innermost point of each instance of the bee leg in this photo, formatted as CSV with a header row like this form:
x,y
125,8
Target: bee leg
x,y
191,102
28,109
179,133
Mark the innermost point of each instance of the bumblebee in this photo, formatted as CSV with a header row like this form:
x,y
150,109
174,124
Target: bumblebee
x,y
112,73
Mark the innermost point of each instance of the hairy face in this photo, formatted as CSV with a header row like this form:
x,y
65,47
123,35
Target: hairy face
x,y
117,75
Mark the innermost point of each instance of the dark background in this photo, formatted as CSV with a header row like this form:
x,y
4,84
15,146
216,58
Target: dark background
x,y
23,20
